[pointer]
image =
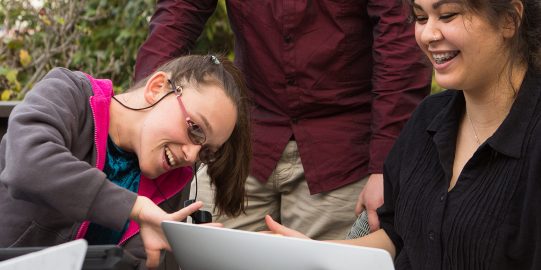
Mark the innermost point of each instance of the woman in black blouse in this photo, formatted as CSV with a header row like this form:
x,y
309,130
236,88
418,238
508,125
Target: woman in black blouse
x,y
463,181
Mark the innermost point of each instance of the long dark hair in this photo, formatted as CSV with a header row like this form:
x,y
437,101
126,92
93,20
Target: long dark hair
x,y
228,173
525,45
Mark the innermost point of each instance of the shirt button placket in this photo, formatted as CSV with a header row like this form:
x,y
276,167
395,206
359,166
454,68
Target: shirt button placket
x,y
288,39
291,81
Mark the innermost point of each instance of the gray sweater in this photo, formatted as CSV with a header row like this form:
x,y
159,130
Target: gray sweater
x,y
49,182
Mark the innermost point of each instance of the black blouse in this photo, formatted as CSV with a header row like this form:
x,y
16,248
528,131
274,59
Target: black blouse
x,y
491,219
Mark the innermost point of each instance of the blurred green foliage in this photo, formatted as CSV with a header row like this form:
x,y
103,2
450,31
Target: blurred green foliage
x,y
100,37
435,88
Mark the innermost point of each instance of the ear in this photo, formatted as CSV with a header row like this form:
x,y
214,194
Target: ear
x,y
156,87
509,28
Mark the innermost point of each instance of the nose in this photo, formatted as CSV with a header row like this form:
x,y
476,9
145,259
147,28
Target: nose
x,y
430,32
191,152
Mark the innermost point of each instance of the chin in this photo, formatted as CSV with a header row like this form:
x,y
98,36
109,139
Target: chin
x,y
150,174
446,82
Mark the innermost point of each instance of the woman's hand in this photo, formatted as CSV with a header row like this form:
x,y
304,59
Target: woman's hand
x,y
378,239
149,217
371,198
277,228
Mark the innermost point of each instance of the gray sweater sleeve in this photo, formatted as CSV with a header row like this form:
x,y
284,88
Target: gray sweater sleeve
x,y
48,154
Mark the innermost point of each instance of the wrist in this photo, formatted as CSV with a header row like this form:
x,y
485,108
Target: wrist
x,y
137,208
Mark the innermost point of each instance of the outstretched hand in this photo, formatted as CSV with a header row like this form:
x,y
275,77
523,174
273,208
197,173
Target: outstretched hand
x,y
277,228
371,198
149,217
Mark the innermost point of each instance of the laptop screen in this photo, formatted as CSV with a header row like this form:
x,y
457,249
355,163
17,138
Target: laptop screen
x,y
67,256
199,247
102,257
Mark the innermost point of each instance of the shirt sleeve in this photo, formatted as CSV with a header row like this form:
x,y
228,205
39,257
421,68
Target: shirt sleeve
x,y
391,189
387,211
401,76
398,168
394,170
174,29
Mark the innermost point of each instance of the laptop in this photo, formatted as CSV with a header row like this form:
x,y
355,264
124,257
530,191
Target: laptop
x,y
98,257
67,256
199,247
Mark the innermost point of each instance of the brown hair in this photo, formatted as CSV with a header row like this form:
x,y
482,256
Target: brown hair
x,y
525,46
229,171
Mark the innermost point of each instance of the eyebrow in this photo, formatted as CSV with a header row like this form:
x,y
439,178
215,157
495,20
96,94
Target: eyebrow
x,y
442,2
437,4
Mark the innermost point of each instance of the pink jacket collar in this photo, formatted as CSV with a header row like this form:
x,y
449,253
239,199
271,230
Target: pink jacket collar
x,y
169,183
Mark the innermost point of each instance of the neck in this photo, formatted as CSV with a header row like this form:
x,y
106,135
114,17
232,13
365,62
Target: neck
x,y
490,104
124,123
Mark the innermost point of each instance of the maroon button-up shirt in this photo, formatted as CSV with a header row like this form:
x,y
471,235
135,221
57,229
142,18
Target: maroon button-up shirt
x,y
341,76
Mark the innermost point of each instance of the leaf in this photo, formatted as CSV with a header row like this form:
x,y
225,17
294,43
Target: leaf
x,y
60,20
15,44
118,89
24,57
6,95
45,20
11,76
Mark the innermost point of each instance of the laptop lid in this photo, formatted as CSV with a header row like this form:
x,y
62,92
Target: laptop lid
x,y
199,247
67,256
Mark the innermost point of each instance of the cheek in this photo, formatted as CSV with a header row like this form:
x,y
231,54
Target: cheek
x,y
164,124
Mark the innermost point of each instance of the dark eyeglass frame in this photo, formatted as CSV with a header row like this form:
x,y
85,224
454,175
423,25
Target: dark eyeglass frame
x,y
195,132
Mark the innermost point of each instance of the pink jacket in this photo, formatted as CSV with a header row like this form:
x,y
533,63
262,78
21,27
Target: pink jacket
x,y
169,183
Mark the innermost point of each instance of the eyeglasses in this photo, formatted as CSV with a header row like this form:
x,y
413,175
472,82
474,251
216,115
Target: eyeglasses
x,y
195,132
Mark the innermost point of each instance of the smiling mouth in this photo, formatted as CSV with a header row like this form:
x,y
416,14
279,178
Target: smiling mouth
x,y
169,157
441,58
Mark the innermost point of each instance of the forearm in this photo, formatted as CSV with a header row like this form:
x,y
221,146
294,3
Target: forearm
x,y
377,239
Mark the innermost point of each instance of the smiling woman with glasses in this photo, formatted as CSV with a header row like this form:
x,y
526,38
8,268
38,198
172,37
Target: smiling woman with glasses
x,y
109,168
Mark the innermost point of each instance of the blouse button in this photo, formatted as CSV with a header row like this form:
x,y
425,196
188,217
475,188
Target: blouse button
x,y
442,197
431,235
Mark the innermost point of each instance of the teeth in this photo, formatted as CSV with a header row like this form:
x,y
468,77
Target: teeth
x,y
441,58
170,157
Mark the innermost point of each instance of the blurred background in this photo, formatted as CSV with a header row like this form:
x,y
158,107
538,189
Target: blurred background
x,y
99,37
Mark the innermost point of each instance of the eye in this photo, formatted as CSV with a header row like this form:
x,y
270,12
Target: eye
x,y
448,16
196,133
421,19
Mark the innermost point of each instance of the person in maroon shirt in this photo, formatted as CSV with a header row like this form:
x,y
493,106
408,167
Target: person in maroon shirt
x,y
332,83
